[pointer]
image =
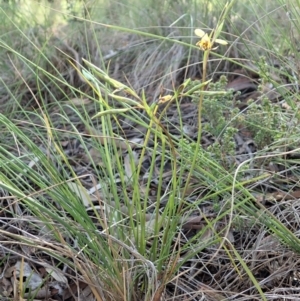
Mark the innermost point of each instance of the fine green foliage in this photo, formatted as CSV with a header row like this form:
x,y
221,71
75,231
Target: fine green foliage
x,y
145,156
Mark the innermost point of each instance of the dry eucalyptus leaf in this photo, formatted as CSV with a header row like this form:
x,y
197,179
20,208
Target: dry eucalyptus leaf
x,y
127,164
55,273
150,226
33,280
31,164
94,156
230,236
82,193
136,142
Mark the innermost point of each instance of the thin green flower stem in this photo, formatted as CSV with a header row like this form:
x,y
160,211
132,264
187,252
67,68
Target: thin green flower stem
x,y
198,144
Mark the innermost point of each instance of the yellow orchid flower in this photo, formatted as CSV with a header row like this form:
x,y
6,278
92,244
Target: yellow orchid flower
x,y
207,42
163,99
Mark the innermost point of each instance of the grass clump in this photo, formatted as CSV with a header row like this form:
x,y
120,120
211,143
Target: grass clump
x,y
125,177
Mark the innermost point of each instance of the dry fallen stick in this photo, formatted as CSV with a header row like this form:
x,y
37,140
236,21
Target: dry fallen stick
x,y
278,196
